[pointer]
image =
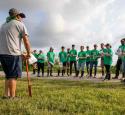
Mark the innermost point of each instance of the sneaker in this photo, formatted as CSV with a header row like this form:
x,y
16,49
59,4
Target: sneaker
x,y
81,77
5,97
91,76
123,80
38,75
102,77
115,77
42,75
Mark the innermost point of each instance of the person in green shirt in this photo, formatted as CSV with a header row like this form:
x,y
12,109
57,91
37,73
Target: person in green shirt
x,y
40,63
63,59
108,61
122,55
35,64
119,60
103,50
68,61
51,61
94,60
88,52
81,61
73,55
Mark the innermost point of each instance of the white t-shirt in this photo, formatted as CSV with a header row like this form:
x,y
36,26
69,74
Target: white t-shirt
x,y
11,36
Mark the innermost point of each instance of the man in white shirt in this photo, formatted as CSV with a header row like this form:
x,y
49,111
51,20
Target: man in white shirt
x,y
12,32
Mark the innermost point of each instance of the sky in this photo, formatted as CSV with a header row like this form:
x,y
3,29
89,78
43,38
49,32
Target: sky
x,y
59,23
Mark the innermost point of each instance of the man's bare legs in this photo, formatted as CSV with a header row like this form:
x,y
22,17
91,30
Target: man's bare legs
x,y
7,90
10,88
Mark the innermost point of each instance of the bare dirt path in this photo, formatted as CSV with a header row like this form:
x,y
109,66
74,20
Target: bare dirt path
x,y
98,78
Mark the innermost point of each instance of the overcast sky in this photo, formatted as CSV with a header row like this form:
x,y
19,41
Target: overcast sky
x,y
65,22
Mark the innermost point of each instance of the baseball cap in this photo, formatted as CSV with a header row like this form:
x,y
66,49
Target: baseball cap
x,y
15,12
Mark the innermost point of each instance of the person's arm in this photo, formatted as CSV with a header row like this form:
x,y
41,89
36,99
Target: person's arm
x,y
27,45
24,36
59,57
118,51
109,53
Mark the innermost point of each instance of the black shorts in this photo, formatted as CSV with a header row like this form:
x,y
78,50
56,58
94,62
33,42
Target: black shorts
x,y
12,66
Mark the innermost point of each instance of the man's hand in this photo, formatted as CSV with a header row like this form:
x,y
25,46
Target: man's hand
x,y
102,55
107,54
26,56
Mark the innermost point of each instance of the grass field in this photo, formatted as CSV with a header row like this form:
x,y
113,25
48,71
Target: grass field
x,y
64,97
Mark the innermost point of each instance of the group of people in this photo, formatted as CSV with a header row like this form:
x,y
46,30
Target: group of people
x,y
13,31
85,57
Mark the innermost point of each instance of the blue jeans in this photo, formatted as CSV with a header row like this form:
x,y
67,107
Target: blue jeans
x,y
93,64
123,66
108,73
40,66
88,67
81,65
71,64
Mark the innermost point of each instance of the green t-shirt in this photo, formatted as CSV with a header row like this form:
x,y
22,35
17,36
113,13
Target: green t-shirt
x,y
63,56
82,57
102,51
94,55
41,58
108,59
122,48
51,56
73,54
35,55
68,57
88,53
119,50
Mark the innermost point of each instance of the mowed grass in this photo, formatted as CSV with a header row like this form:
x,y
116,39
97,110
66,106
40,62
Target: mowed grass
x,y
63,97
